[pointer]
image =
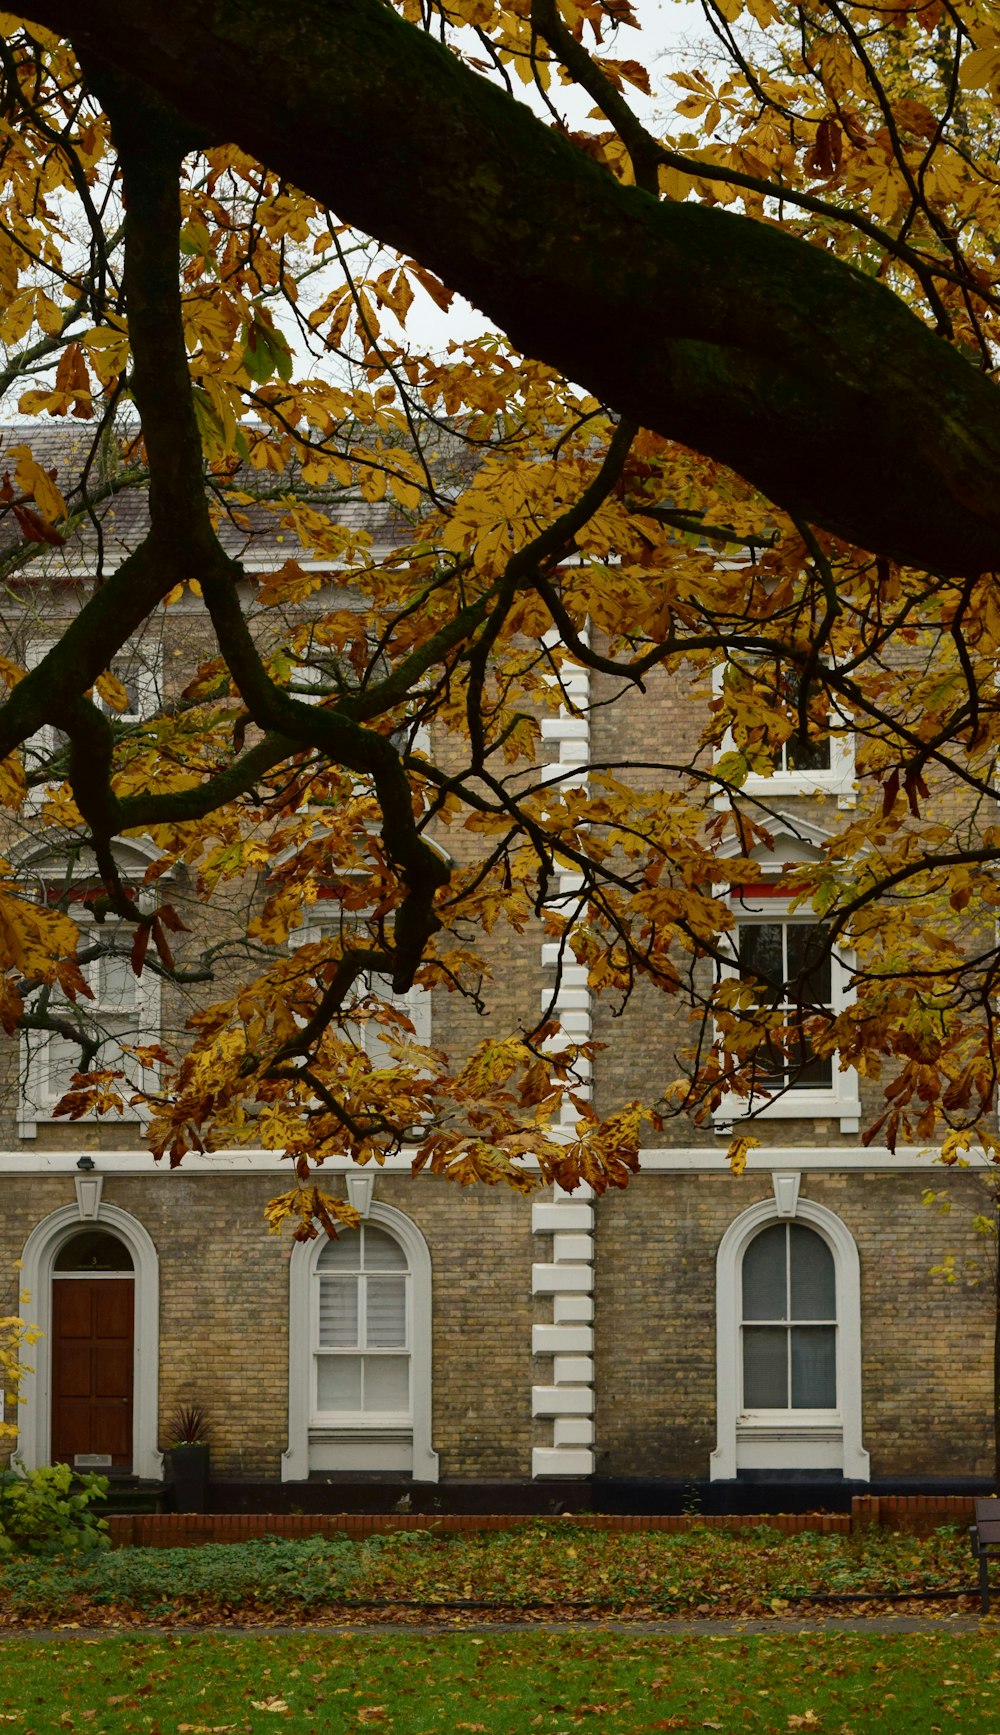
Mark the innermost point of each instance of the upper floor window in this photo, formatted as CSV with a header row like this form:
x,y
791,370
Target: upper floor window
x,y
784,956
123,1008
819,761
368,1033
138,670
790,964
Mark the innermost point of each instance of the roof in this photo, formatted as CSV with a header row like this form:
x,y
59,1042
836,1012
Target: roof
x,y
118,518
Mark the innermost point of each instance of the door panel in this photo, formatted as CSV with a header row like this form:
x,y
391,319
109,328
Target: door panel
x,y
92,1362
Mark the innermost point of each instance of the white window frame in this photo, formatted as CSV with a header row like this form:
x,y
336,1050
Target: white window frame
x,y
342,1420
37,1099
776,1440
840,1099
315,1441
148,660
415,1002
836,780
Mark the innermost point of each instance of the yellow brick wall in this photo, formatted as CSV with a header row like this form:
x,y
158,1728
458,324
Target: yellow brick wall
x,y
926,1345
224,1308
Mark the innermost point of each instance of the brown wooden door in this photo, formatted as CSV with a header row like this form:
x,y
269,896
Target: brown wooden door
x,y
92,1357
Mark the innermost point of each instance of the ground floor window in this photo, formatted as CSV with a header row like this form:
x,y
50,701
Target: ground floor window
x,y
789,1327
788,1336
362,1327
360,1352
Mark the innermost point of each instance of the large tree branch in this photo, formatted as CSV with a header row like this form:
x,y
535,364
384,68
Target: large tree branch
x,y
810,378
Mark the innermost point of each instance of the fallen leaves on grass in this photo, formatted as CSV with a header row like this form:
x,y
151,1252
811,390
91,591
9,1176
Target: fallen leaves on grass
x,y
555,1570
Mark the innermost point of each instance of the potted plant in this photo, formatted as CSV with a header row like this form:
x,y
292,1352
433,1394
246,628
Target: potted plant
x,y
189,1452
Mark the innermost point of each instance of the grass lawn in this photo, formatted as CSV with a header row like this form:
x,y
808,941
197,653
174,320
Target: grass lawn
x,y
606,1684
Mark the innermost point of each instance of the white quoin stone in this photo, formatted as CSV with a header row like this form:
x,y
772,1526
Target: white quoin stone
x,y
562,1401
551,1279
573,1370
553,1218
565,728
568,1309
562,1461
569,1000
562,1340
573,1431
573,1249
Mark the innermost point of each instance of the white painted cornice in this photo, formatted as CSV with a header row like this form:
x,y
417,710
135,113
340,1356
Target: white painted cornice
x,y
684,1159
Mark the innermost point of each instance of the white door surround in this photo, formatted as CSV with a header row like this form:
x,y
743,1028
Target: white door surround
x,y
38,1260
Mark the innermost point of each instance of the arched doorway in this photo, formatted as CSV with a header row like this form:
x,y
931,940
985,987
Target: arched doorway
x,y
93,1352
94,1300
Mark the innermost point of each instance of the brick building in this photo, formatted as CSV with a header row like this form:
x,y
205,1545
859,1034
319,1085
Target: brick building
x,y
766,1339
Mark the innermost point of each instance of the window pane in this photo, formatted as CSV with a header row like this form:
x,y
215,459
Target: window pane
x,y
344,1254
386,1312
338,1382
808,964
814,1367
61,1059
808,1071
808,755
765,1367
814,1290
338,1312
387,1382
382,1251
764,1286
116,984
761,954
93,1250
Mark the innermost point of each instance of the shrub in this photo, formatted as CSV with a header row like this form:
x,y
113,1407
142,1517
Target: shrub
x,y
277,1577
48,1511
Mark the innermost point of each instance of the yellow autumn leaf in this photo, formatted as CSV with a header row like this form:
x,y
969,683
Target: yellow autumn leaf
x,y
12,782
34,480
981,69
110,689
739,1148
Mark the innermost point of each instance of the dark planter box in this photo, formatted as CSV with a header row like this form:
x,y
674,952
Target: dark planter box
x,y
189,1477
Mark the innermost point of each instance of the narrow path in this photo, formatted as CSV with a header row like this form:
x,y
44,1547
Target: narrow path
x,y
662,1628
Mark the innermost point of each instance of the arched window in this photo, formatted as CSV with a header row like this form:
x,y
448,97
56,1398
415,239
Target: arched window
x,y
789,1327
788,1296
362,1354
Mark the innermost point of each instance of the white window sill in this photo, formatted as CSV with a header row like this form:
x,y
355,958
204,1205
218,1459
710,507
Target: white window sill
x,y
781,787
29,1120
792,1105
357,1424
786,1419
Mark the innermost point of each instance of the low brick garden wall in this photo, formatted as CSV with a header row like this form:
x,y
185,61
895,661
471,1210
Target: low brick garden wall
x,y
919,1513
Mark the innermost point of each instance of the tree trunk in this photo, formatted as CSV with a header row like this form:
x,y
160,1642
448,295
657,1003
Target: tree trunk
x,y
811,379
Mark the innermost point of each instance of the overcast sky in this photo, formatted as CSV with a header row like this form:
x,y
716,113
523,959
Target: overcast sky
x,y
671,31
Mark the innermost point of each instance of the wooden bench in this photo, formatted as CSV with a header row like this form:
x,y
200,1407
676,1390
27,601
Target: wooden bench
x,y
984,1534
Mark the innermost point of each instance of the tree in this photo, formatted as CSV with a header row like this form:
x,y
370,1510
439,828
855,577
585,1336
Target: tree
x,y
766,415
